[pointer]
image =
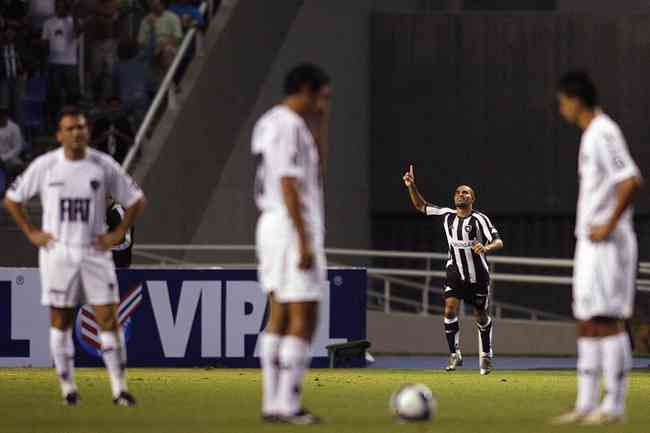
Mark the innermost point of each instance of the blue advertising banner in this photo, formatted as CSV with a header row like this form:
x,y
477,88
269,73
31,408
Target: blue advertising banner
x,y
176,318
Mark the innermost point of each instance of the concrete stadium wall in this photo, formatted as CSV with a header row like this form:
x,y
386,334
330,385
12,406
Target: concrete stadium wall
x,y
603,6
336,35
414,334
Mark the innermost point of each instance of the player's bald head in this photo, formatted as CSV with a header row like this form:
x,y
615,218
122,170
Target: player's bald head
x,y
467,188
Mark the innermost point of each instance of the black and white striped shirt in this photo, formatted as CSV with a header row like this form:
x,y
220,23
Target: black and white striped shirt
x,y
462,234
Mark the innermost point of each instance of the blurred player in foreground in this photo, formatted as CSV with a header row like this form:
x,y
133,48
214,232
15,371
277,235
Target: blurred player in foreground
x,y
290,236
470,236
605,261
74,249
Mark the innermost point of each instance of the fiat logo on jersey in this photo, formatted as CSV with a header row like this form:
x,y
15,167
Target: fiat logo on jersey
x,y
87,329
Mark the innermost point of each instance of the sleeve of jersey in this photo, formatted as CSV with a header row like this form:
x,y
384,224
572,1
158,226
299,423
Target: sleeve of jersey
x,y
123,188
489,231
26,186
285,152
437,211
616,158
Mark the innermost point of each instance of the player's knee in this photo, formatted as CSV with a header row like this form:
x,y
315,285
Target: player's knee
x,y
276,326
481,315
108,323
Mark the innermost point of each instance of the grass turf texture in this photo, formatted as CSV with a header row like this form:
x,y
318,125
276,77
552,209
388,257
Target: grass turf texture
x,y
355,401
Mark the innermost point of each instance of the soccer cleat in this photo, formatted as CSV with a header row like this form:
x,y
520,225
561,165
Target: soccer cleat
x,y
455,360
485,365
124,399
270,418
571,417
598,417
71,399
302,417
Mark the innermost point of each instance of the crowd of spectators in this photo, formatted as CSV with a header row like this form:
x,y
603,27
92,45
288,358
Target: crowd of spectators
x,y
127,47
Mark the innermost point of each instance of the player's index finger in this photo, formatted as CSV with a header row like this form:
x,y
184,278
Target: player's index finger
x,y
411,169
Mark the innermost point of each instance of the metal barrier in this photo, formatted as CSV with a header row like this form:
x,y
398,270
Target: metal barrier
x,y
390,276
167,89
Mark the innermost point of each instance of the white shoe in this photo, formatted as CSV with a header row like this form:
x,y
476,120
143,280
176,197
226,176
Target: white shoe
x,y
598,417
485,365
572,417
455,360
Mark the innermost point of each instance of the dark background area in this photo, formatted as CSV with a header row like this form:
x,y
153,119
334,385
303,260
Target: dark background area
x,y
470,99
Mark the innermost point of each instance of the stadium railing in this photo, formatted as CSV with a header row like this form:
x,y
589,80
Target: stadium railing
x,y
386,299
167,90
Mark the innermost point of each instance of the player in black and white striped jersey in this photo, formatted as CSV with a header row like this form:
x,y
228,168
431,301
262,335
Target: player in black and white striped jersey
x,y
470,236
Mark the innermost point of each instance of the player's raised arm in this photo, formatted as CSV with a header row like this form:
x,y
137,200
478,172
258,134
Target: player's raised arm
x,y
416,198
292,201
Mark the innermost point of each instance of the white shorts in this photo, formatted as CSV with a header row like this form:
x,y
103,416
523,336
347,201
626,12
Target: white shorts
x,y
604,277
71,276
278,256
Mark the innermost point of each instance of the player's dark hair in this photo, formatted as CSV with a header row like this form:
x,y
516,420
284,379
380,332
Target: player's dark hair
x,y
305,74
578,84
69,111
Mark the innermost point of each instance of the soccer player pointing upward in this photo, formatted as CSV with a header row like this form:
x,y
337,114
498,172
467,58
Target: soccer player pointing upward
x,y
470,236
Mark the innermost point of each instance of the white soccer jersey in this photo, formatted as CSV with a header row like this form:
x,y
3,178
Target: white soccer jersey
x,y
73,193
604,161
284,147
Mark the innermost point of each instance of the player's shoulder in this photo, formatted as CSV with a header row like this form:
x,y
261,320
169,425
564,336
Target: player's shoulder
x,y
102,159
604,128
281,116
12,125
480,214
47,160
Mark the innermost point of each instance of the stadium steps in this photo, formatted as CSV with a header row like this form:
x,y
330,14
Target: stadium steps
x,y
183,163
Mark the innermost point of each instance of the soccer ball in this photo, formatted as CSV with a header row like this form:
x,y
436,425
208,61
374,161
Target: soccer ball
x,y
413,402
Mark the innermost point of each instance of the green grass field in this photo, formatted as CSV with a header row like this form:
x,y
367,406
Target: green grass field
x,y
354,401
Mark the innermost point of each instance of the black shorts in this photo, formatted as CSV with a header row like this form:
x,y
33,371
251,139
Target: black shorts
x,y
475,294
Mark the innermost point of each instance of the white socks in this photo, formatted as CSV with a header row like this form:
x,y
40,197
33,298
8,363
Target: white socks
x,y
269,358
114,354
617,361
613,357
589,364
294,360
62,350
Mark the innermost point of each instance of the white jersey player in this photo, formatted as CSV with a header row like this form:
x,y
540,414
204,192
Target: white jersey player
x,y
605,261
287,144
75,261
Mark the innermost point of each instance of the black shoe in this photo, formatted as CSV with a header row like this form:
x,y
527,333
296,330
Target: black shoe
x,y
71,399
270,418
124,399
302,417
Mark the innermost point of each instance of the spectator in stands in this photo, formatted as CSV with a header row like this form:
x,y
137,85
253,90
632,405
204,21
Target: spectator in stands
x,y
60,35
131,80
39,12
13,73
112,132
189,13
11,146
14,15
160,33
102,36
